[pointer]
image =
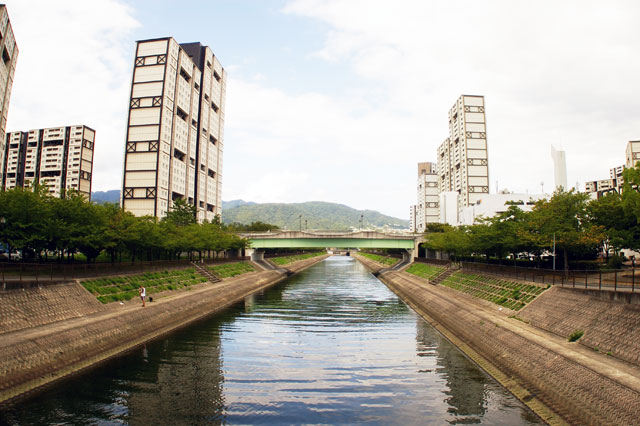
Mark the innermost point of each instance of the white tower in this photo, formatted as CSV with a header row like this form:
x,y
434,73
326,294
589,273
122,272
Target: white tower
x,y
559,168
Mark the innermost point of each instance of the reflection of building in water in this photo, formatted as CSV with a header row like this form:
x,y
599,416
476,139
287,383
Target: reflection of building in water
x,y
466,382
181,379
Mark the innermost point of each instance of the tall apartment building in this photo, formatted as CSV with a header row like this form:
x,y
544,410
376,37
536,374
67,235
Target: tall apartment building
x,y
7,70
428,206
463,163
175,128
59,157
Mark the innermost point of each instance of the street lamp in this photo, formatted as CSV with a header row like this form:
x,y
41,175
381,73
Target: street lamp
x,y
306,225
361,221
300,217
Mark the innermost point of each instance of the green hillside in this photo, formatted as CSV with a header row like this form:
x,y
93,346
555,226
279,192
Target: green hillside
x,y
318,214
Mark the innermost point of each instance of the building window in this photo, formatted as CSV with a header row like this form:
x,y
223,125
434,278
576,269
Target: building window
x,y
184,75
180,113
216,76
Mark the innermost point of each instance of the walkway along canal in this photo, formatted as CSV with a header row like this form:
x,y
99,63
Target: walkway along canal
x,y
330,345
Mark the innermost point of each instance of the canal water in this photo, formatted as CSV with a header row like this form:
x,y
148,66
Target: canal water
x,y
331,345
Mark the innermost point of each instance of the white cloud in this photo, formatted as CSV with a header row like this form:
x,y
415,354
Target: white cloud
x,y
552,72
74,67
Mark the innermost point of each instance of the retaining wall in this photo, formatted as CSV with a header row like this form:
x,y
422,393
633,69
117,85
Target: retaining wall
x,y
553,382
31,307
609,326
38,356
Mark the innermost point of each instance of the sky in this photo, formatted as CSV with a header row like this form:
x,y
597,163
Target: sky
x,y
338,100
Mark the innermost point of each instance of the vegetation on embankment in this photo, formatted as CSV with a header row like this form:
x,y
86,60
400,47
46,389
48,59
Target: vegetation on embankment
x,y
511,295
285,260
424,270
233,269
114,289
384,260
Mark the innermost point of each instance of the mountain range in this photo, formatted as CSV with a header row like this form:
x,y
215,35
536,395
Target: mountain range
x,y
309,215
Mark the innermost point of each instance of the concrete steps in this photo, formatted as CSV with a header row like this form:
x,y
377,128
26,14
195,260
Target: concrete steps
x,y
446,273
209,275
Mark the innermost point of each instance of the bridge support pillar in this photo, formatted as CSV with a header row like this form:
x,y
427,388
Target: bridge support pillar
x,y
255,254
408,255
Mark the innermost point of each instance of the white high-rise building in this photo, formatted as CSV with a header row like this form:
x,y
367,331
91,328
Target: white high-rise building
x,y
7,70
463,162
61,158
175,130
427,210
559,168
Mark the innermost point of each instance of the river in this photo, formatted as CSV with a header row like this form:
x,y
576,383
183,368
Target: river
x,y
330,345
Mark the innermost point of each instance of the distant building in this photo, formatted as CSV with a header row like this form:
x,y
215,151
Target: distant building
x,y
633,153
412,218
615,183
428,207
559,168
175,127
7,70
463,162
59,157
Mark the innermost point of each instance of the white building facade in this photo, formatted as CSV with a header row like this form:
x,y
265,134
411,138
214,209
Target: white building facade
x,y
427,209
491,205
463,162
175,133
61,158
7,71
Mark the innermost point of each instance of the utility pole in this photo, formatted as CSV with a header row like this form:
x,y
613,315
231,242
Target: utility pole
x,y
300,217
306,225
554,251
361,221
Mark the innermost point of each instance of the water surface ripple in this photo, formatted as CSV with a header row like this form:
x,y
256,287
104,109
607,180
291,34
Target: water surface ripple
x,y
331,345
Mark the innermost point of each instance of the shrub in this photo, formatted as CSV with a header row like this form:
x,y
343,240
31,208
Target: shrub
x,y
575,335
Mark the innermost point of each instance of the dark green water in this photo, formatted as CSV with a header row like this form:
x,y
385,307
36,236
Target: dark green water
x,y
331,345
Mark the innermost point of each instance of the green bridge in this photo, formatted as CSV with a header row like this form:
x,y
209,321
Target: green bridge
x,y
324,239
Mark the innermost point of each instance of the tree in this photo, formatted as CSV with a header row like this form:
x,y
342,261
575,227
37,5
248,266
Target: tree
x,y
564,216
181,213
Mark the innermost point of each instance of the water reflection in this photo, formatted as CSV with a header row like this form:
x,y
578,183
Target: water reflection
x,y
331,345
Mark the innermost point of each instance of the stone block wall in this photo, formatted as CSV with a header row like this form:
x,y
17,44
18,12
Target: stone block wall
x,y
25,308
609,326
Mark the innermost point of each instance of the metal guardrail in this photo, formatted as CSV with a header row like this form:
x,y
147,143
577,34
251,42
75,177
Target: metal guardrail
x,y
615,279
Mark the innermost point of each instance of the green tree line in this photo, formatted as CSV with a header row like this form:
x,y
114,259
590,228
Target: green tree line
x,y
41,226
582,228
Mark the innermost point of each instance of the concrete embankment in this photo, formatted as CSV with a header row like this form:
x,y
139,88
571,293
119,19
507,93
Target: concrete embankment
x,y
560,381
36,356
